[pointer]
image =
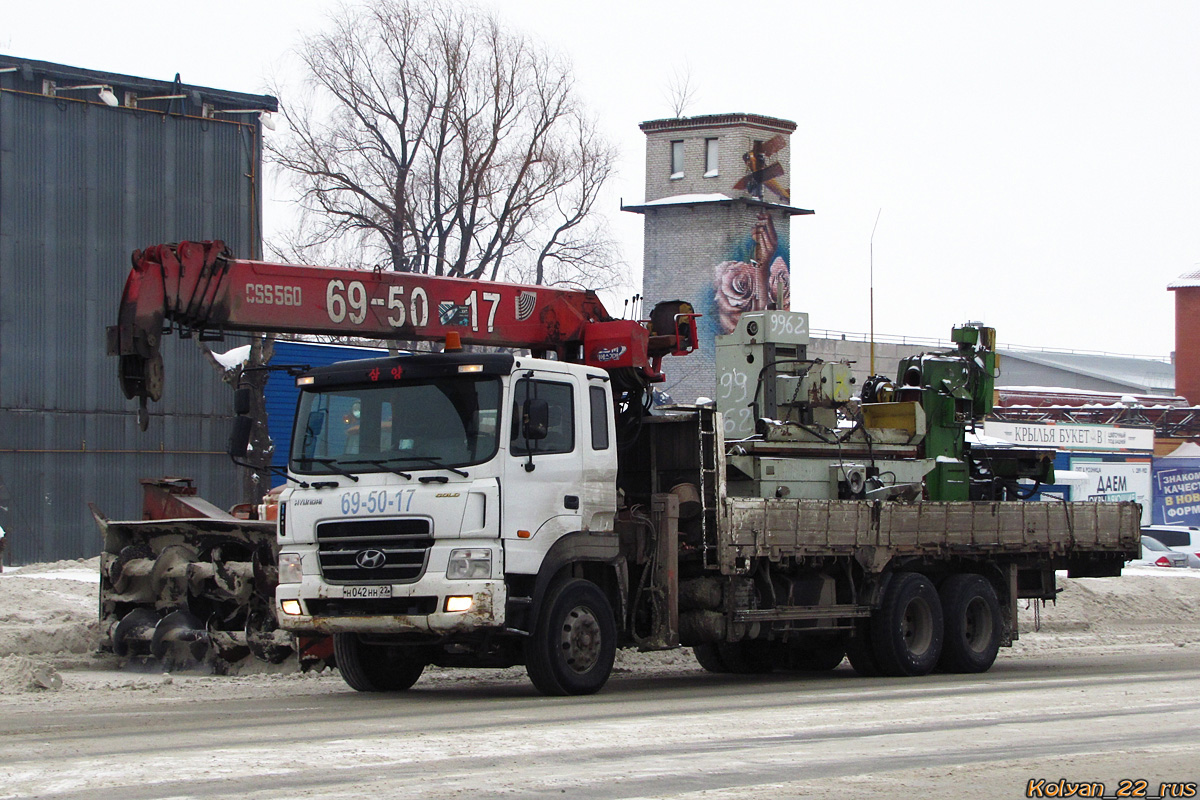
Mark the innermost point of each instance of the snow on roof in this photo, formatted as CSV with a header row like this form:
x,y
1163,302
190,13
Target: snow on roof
x,y
682,199
1068,390
1185,450
1186,280
977,437
1144,375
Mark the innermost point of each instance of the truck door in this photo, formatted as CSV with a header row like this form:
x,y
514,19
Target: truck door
x,y
562,491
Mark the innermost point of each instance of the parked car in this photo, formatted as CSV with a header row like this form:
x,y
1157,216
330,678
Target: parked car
x,y
1157,554
1178,537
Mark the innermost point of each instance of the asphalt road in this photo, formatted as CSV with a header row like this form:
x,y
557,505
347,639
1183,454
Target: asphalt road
x,y
1132,716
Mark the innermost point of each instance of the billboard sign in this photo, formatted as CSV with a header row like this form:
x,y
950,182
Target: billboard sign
x,y
1177,491
1113,481
1094,438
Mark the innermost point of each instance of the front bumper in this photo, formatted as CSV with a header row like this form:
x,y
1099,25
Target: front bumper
x,y
413,607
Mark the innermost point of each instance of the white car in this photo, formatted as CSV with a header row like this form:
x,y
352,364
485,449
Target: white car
x,y
1178,537
1157,554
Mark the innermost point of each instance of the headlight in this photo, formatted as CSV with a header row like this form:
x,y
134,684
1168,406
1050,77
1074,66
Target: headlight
x,y
466,564
290,570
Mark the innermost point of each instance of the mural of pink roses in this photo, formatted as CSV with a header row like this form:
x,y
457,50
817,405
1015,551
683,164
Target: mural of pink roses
x,y
764,283
735,291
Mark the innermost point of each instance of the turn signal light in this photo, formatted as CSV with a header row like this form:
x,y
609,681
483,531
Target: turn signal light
x,y
291,607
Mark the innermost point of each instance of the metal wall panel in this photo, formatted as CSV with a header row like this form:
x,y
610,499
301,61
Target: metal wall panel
x,y
81,186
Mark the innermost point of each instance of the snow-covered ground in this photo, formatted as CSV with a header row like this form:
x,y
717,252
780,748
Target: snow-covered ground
x,y
48,627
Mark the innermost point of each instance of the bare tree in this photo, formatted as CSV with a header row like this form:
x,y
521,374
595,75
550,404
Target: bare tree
x,y
432,139
680,90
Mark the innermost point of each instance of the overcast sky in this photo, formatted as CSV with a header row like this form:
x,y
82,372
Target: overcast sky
x,y
1037,164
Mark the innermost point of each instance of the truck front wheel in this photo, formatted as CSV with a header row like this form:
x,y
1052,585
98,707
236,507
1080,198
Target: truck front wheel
x,y
906,631
574,643
973,624
373,667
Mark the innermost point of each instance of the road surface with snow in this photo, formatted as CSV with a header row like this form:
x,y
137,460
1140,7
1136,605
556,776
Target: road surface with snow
x,y
1107,689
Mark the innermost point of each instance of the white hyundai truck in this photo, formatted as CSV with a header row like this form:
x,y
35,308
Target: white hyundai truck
x,y
495,509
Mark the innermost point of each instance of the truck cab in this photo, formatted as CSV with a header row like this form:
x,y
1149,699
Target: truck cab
x,y
428,490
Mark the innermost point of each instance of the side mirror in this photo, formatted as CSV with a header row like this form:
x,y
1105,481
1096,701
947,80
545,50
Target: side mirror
x,y
239,438
241,401
315,424
535,418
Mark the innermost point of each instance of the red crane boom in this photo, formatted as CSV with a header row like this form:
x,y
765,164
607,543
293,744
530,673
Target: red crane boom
x,y
200,287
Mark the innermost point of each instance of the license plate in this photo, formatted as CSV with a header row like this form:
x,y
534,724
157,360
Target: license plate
x,y
366,592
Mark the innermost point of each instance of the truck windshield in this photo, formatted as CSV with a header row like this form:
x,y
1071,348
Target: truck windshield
x,y
422,424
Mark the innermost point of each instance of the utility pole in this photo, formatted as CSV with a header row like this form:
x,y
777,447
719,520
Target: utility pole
x,y
872,285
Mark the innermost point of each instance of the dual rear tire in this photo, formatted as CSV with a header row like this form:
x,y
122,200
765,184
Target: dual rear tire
x,y
919,628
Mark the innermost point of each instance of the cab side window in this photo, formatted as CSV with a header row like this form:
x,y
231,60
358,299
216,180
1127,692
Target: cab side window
x,y
560,433
599,410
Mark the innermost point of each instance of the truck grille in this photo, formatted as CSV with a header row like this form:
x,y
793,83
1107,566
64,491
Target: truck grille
x,y
404,544
399,606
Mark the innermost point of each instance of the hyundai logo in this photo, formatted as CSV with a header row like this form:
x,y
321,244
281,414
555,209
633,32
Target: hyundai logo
x,y
370,559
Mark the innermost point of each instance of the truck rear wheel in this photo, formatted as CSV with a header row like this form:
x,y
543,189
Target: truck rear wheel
x,y
709,657
375,668
906,631
574,642
972,624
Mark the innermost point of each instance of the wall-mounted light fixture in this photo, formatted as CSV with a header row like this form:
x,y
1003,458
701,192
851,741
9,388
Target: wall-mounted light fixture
x,y
10,69
132,99
51,89
264,116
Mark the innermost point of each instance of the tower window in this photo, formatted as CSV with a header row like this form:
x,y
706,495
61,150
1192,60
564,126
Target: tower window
x,y
677,159
710,158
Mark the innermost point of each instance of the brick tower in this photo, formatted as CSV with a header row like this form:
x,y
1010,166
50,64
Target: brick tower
x,y
717,227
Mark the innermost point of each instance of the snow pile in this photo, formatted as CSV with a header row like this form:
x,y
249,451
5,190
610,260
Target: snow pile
x,y
48,621
1146,606
50,610
19,674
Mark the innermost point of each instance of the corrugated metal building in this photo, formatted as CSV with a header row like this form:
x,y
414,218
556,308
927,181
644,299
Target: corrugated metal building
x,y
92,166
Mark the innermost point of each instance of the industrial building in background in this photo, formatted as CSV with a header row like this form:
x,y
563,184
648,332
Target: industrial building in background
x,y
92,166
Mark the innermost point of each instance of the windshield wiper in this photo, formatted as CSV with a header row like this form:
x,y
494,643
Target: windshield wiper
x,y
332,463
433,461
381,463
